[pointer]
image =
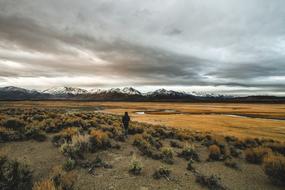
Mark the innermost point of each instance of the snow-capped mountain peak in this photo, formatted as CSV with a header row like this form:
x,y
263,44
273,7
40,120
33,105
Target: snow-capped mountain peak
x,y
131,91
164,92
65,90
126,90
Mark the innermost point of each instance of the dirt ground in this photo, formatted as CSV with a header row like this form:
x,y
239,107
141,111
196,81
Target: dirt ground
x,y
42,157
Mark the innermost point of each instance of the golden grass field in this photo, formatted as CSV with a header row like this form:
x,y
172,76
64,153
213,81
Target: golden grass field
x,y
241,120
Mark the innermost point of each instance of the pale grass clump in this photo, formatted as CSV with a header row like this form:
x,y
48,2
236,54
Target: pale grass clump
x,y
44,185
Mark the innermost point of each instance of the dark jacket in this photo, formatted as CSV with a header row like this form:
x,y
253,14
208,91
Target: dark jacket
x,y
126,120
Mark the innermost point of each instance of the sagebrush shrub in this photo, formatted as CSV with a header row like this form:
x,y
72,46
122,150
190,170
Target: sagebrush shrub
x,y
135,129
153,141
82,141
136,166
69,132
274,168
212,182
35,133
99,140
214,152
145,147
14,175
138,140
277,147
256,155
71,150
167,155
14,123
162,171
69,164
63,180
189,153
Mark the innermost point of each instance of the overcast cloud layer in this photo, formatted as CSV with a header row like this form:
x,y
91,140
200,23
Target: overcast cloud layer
x,y
227,46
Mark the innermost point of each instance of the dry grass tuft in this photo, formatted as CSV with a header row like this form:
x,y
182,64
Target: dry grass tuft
x,y
69,132
98,140
44,185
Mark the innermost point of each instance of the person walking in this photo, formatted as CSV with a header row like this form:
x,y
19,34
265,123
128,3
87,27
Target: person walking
x,y
125,121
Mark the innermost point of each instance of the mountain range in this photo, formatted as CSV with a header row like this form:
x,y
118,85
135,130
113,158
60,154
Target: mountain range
x,y
123,94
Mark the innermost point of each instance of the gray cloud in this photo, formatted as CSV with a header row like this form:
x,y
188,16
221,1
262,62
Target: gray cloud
x,y
147,43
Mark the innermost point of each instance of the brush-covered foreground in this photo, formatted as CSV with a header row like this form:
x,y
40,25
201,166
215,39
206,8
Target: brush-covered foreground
x,y
55,149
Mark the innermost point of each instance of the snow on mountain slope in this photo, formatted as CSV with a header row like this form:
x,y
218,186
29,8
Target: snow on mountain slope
x,y
65,90
164,92
126,91
131,91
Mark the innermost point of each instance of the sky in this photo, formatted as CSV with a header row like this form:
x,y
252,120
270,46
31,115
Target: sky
x,y
222,46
